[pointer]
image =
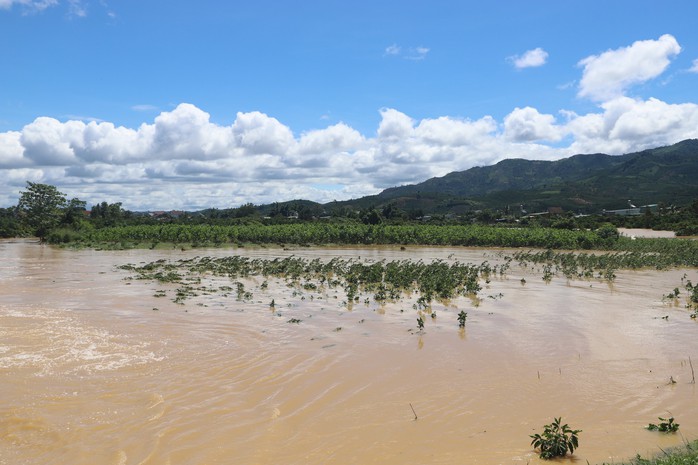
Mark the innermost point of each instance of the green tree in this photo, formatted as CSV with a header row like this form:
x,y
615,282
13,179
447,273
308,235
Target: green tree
x,y
9,224
245,210
40,208
107,214
371,216
74,212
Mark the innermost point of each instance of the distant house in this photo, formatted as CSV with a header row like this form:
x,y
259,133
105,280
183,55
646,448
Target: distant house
x,y
633,210
623,212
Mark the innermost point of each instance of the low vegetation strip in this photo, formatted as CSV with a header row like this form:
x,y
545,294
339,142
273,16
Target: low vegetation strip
x,y
630,253
685,455
347,233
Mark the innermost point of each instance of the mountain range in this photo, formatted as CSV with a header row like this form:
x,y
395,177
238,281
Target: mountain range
x,y
585,183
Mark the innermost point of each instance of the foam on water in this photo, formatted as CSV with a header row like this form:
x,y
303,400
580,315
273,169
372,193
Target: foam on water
x,y
58,341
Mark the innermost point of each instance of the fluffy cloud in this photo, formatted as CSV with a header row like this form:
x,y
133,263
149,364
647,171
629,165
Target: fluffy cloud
x,y
527,124
184,160
627,125
260,134
530,59
608,75
326,142
11,150
49,142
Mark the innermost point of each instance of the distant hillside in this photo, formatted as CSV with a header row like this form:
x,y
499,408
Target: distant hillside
x,y
586,183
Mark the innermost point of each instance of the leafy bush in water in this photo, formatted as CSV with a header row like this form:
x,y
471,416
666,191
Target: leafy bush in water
x,y
556,440
667,425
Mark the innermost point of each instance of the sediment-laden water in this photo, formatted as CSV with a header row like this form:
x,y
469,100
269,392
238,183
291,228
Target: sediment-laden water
x,y
95,369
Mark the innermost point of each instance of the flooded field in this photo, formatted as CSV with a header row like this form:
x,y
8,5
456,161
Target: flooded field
x,y
97,368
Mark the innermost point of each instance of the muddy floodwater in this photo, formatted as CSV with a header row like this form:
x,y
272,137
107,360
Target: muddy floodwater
x,y
96,368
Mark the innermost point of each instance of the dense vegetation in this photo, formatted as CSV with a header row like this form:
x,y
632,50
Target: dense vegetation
x,y
345,233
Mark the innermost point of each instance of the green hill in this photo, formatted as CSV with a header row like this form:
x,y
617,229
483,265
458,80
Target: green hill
x,y
584,183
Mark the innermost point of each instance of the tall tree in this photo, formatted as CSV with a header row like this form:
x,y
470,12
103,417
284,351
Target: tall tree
x,y
74,212
40,208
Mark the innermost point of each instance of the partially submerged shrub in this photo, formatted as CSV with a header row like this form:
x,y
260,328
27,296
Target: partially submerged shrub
x,y
461,318
666,425
556,440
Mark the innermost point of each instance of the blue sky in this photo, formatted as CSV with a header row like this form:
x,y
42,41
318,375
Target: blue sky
x,y
185,105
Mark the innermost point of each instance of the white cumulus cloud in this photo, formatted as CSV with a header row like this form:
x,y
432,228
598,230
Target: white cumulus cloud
x,y
184,160
610,74
530,59
527,124
627,125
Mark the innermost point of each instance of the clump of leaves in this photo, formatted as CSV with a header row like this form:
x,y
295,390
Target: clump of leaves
x,y
420,323
666,425
674,294
556,440
461,319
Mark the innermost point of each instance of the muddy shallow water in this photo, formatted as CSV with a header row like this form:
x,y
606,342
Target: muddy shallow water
x,y
95,369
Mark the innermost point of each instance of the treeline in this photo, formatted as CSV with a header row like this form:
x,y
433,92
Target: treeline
x,y
42,209
45,212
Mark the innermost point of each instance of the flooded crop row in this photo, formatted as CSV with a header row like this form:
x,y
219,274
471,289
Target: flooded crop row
x,y
97,366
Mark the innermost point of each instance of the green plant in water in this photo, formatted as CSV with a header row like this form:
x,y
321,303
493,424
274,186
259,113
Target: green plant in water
x,y
666,425
461,318
674,295
420,323
557,439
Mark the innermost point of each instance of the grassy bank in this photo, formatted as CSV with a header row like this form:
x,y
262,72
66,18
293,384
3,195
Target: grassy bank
x,y
684,455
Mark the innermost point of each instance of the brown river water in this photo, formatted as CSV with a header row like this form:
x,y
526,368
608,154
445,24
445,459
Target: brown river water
x,y
95,369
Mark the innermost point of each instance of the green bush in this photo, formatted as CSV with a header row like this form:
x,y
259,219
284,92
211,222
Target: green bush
x,y
556,440
666,425
608,232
